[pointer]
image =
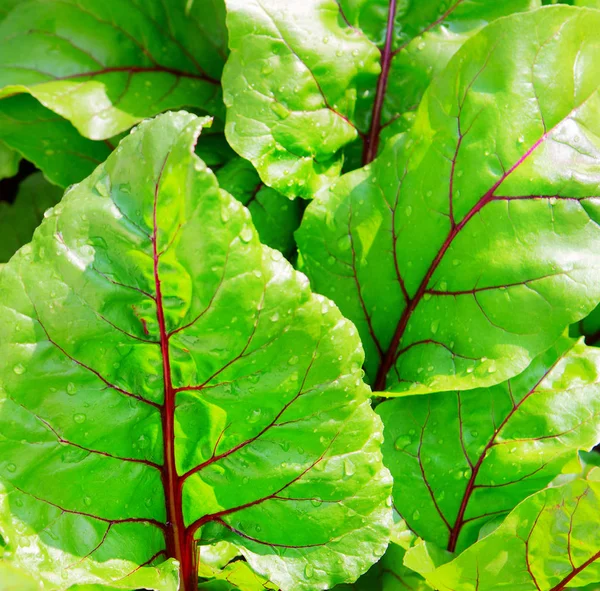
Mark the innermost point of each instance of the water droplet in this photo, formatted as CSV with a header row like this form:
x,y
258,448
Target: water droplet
x,y
349,467
408,211
325,40
71,389
434,326
87,501
79,418
293,360
19,369
279,110
316,502
255,416
403,441
11,468
309,571
521,139
275,317
416,515
246,234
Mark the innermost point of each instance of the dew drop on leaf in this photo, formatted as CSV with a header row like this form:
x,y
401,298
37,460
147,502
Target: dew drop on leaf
x,y
11,467
349,467
402,442
71,389
19,369
309,570
79,418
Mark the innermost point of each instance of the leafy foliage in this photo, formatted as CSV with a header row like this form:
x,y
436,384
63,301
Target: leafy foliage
x,y
458,280
180,411
273,423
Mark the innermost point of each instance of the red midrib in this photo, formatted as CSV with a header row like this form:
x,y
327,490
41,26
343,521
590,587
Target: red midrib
x,y
372,140
178,546
575,572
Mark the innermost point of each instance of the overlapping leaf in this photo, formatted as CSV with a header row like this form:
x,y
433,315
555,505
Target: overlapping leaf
x,y
276,217
548,543
459,460
106,64
167,378
19,220
9,162
465,249
291,86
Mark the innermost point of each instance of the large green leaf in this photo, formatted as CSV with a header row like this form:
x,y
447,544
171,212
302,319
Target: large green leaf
x,y
290,86
417,39
49,141
276,217
549,542
19,220
468,246
460,460
166,378
106,64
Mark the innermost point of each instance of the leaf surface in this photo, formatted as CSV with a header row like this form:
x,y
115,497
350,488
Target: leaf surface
x,y
9,162
275,217
167,378
107,64
461,459
290,86
548,543
469,245
20,219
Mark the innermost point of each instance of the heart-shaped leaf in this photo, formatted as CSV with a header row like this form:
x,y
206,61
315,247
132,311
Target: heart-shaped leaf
x,y
275,217
460,459
469,245
548,543
169,381
106,64
19,220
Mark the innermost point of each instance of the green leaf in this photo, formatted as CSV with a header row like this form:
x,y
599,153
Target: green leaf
x,y
589,327
9,162
167,378
49,141
469,245
549,542
290,86
389,574
13,579
19,220
461,459
237,575
417,39
107,64
276,217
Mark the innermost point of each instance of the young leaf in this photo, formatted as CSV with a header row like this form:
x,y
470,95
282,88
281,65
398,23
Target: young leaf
x,y
9,162
465,249
106,64
290,86
13,579
275,217
167,380
459,460
49,141
19,220
548,543
416,39
237,576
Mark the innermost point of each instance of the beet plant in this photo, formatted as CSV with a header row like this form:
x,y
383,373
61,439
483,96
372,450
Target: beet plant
x,y
299,295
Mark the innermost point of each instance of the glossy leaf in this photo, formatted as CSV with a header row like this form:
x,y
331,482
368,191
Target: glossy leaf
x,y
417,39
469,245
106,64
19,220
549,542
290,86
389,574
237,576
12,579
166,378
459,460
9,162
275,217
49,141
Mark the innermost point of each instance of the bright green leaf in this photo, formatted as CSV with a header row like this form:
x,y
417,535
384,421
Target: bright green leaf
x,y
290,86
106,64
460,459
237,576
167,378
417,39
549,542
19,220
469,245
9,162
49,141
276,217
